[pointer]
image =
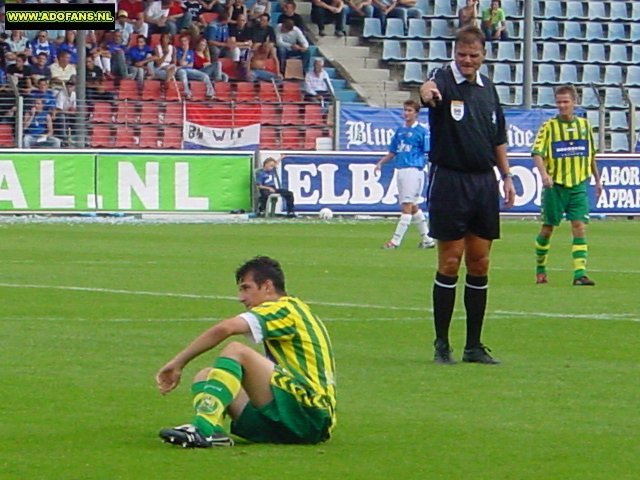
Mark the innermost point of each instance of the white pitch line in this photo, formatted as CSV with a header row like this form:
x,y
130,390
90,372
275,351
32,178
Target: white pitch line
x,y
500,313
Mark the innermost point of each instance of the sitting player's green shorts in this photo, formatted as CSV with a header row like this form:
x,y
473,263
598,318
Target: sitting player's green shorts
x,y
289,418
560,200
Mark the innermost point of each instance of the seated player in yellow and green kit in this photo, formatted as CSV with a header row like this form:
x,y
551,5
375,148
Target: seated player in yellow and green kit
x,y
287,396
564,153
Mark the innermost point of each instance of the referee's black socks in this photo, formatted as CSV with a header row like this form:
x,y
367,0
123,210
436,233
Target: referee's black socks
x,y
444,297
475,303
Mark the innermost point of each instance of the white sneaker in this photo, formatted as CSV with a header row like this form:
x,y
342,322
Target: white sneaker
x,y
427,242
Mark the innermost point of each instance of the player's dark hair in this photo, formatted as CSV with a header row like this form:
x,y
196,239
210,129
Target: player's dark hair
x,y
263,269
469,35
564,89
413,104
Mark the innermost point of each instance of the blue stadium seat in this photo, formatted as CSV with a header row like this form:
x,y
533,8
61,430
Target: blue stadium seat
x,y
546,74
504,93
616,32
613,98
392,51
575,11
596,11
443,10
440,29
635,12
507,52
502,73
594,118
438,50
432,67
552,10
516,29
596,54
591,74
618,53
633,76
573,31
574,53
634,34
619,142
545,97
511,9
423,6
372,29
619,11
613,75
589,98
413,73
394,28
415,51
634,95
551,52
635,54
490,51
618,120
594,32
568,73
549,30
417,28
485,69
518,75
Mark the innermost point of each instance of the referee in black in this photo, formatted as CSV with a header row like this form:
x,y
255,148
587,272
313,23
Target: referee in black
x,y
468,139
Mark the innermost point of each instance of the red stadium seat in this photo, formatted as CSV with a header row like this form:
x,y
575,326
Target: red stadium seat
x,y
245,92
152,90
270,114
313,114
173,114
223,91
125,138
267,92
7,139
291,139
172,137
198,91
310,136
291,92
148,137
101,136
175,91
102,112
208,17
269,138
150,113
291,114
246,114
154,40
127,112
128,90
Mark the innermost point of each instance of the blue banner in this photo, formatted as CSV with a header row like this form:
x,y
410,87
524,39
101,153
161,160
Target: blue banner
x,y
346,183
364,128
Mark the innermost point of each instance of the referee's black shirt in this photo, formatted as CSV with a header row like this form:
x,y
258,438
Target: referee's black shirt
x,y
467,124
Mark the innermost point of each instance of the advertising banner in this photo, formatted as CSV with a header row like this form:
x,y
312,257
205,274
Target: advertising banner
x,y
346,183
174,183
42,181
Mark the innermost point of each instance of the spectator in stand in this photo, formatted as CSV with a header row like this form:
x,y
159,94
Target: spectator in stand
x,y
202,61
291,43
124,26
100,53
324,12
40,69
177,17
393,9
358,9
94,78
156,15
260,58
217,35
317,84
41,44
135,15
186,71
212,6
164,65
139,56
69,46
118,48
468,15
5,52
234,9
38,128
494,22
62,70
20,74
44,93
406,9
263,32
259,8
18,43
65,123
192,20
240,38
289,11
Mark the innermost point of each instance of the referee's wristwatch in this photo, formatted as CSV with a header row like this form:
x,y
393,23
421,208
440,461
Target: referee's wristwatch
x,y
507,175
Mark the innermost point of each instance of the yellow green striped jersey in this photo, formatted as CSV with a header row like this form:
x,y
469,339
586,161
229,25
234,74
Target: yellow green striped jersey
x,y
297,340
567,148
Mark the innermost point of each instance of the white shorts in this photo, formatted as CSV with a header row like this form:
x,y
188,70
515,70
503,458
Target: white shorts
x,y
410,185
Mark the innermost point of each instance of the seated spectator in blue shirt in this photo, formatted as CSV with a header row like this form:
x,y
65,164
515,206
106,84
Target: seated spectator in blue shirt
x,y
41,44
267,183
69,46
117,48
38,128
186,72
40,69
44,93
217,35
138,57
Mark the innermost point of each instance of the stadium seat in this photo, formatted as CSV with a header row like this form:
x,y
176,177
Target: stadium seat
x,y
291,114
634,35
101,136
152,90
551,52
394,29
438,50
635,54
268,92
568,73
545,97
589,98
635,12
392,51
574,53
127,112
133,39
440,29
573,32
552,10
291,139
546,74
423,6
128,90
504,93
413,73
222,91
417,29
415,51
616,32
596,53
125,137
634,95
269,138
310,136
549,30
291,92
443,10
154,40
502,73
173,114
516,29
150,113
175,92
619,11
172,137
507,52
595,11
270,114
591,74
618,54
148,137
246,114
7,140
313,114
594,32
511,9
575,11
619,142
613,97
102,112
613,75
198,91
633,76
594,118
618,120
245,92
372,29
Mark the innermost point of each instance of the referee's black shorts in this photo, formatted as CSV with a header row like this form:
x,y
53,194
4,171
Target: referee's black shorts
x,y
462,203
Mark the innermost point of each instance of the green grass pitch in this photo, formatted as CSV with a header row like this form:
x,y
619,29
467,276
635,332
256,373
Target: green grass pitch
x,y
89,312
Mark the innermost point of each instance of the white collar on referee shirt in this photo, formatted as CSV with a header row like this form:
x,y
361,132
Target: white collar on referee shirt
x,y
457,75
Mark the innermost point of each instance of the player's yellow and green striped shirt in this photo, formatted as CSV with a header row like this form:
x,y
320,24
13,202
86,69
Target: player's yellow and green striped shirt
x,y
296,340
567,148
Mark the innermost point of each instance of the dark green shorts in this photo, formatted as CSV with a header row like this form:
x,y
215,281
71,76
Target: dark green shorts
x,y
560,201
284,420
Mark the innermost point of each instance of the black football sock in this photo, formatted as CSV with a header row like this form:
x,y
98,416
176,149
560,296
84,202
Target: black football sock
x,y
444,297
475,302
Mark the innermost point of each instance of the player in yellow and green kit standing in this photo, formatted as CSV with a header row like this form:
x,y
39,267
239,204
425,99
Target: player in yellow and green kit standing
x,y
285,396
564,153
